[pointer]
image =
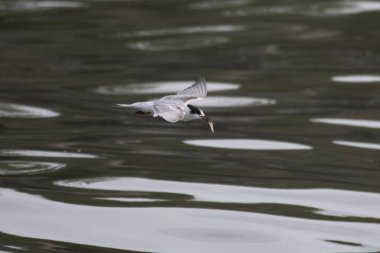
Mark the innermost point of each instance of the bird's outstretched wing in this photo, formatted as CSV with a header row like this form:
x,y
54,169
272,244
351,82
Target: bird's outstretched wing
x,y
197,90
169,112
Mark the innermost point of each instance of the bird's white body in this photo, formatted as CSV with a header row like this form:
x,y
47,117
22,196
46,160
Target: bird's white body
x,y
148,108
174,108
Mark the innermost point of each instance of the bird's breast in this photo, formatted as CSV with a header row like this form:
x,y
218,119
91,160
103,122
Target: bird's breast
x,y
188,117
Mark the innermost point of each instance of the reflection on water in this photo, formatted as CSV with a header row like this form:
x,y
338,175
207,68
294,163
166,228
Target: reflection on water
x,y
183,30
131,199
247,144
175,40
356,79
349,122
337,7
216,4
42,153
353,7
32,5
292,167
222,101
346,203
358,144
178,43
9,110
221,235
173,229
28,167
12,247
160,87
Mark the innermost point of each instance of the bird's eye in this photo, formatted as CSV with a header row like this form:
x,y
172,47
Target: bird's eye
x,y
194,110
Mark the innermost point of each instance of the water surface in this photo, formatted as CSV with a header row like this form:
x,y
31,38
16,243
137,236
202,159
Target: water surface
x,y
293,89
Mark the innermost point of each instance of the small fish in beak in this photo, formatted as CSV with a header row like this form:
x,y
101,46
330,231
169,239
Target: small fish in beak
x,y
209,121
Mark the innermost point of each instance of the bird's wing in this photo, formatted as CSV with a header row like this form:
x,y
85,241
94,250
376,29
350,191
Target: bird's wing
x,y
170,112
175,99
197,90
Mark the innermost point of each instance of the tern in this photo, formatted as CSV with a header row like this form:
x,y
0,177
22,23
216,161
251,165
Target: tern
x,y
175,108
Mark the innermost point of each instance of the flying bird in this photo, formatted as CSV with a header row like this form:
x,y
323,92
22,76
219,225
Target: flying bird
x,y
175,108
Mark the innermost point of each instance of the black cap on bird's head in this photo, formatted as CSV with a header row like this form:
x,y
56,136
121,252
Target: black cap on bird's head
x,y
196,111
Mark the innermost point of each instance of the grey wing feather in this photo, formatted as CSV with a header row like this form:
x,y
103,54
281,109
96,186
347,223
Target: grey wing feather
x,y
197,90
169,112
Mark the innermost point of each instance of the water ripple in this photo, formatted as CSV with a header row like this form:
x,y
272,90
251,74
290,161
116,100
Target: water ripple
x,y
174,229
247,144
8,110
28,167
43,153
346,203
356,79
223,101
160,87
177,43
353,7
317,9
183,30
219,4
358,144
38,5
130,199
349,122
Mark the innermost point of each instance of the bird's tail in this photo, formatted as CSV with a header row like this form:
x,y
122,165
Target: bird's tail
x,y
132,106
123,105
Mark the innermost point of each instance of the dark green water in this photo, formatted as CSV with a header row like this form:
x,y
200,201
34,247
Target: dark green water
x,y
294,90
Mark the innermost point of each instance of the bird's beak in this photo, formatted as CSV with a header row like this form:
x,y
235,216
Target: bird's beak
x,y
209,121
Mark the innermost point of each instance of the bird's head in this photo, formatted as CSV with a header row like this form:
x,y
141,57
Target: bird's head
x,y
196,112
